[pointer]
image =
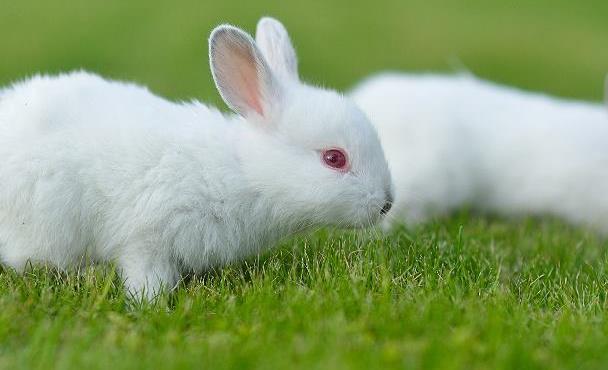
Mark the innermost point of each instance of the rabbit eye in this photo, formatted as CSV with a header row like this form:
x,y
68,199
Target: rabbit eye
x,y
336,159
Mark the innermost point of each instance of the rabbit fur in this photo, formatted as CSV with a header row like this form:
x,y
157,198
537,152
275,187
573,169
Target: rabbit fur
x,y
456,140
97,170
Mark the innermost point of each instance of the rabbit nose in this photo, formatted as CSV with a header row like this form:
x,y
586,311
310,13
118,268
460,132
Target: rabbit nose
x,y
387,205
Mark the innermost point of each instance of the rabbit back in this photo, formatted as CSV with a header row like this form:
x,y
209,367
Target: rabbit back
x,y
88,164
455,140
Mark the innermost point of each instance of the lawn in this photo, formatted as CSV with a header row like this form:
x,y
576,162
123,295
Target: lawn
x,y
466,292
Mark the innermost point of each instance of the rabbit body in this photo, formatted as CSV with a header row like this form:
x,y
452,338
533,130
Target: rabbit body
x,y
455,140
140,179
97,170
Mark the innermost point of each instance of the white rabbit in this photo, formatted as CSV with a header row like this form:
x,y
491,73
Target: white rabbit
x,y
455,140
106,171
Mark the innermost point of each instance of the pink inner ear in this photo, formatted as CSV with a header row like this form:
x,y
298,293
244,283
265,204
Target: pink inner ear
x,y
239,69
248,74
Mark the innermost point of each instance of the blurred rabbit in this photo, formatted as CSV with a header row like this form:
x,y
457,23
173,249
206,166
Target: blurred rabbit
x,y
107,170
455,140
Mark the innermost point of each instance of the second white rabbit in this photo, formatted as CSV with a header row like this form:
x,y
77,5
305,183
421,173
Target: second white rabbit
x,y
455,140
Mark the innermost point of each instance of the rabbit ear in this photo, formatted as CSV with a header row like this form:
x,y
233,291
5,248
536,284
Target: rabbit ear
x,y
241,74
273,40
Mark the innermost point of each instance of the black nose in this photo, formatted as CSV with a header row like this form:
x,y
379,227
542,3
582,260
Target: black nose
x,y
387,205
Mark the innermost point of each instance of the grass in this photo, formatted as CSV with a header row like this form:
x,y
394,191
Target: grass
x,y
488,295
465,292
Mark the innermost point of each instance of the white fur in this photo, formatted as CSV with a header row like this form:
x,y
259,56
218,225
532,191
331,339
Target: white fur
x,y
457,140
106,171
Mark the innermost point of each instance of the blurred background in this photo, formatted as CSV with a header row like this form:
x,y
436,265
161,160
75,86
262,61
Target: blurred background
x,y
556,46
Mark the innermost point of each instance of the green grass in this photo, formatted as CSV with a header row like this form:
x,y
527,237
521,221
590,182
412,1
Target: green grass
x,y
461,293
488,295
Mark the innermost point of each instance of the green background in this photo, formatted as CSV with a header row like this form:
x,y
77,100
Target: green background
x,y
556,46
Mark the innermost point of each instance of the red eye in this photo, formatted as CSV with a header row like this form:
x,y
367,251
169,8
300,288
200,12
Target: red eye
x,y
336,159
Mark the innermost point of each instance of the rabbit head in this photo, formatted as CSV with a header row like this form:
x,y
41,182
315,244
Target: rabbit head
x,y
311,151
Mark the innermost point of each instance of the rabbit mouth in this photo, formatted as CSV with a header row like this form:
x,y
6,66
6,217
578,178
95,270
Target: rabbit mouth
x,y
379,206
374,213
